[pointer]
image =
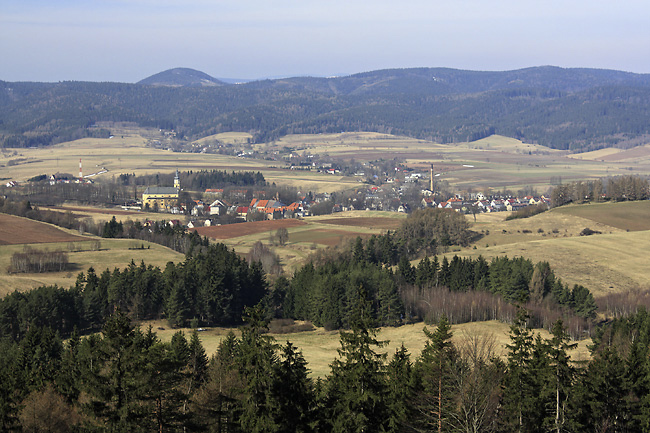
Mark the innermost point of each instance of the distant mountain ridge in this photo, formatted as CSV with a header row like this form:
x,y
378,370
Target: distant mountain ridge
x,y
577,109
181,77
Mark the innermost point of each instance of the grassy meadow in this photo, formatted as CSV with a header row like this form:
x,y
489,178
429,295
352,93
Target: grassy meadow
x,y
130,154
610,262
319,346
113,253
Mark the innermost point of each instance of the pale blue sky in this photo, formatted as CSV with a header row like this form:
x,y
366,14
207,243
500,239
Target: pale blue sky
x,y
127,40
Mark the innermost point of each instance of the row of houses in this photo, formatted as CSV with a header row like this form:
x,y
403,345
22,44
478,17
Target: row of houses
x,y
485,205
271,209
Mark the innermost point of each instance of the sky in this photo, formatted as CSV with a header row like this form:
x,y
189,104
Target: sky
x,y
128,40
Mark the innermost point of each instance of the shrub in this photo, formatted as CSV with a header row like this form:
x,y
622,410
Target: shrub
x,y
588,232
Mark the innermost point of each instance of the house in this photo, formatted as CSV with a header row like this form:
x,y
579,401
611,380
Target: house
x,y
218,207
242,211
498,205
428,202
513,207
215,191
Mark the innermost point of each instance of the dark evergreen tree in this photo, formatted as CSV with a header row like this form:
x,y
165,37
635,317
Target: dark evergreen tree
x,y
518,385
356,386
561,379
401,388
257,361
434,367
294,393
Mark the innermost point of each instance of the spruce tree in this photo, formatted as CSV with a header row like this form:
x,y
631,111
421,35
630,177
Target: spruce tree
x,y
400,390
294,393
356,387
518,384
562,376
434,367
257,360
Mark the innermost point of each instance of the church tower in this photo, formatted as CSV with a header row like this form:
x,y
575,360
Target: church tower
x,y
177,181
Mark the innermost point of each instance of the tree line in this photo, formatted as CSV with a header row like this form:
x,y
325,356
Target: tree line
x,y
35,260
196,180
616,188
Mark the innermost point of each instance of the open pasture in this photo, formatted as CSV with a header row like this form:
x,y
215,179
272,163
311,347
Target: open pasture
x,y
613,261
16,230
306,235
496,162
319,347
130,154
113,253
633,216
246,229
369,222
633,155
102,214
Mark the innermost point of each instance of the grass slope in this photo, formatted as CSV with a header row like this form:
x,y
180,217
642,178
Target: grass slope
x,y
614,261
319,347
114,253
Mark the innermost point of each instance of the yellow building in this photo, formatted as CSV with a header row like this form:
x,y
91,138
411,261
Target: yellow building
x,y
162,198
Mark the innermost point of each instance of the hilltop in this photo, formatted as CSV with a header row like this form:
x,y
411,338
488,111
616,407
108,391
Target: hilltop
x,y
181,77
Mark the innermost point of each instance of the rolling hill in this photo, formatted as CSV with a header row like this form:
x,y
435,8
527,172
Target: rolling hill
x,y
576,109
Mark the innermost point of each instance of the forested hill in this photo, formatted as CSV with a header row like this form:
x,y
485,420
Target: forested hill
x,y
560,108
181,77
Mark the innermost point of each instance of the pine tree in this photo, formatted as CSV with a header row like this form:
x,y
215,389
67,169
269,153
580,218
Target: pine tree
x,y
218,402
602,403
257,360
400,390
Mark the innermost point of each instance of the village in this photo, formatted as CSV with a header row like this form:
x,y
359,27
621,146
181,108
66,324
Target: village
x,y
223,206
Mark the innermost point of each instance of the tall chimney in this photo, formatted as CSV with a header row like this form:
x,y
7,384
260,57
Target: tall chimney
x,y
81,177
431,178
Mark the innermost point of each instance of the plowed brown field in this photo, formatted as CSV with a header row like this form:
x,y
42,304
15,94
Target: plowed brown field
x,y
244,229
16,230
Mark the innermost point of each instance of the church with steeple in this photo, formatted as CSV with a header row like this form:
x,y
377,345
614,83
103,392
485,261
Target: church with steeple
x,y
162,198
